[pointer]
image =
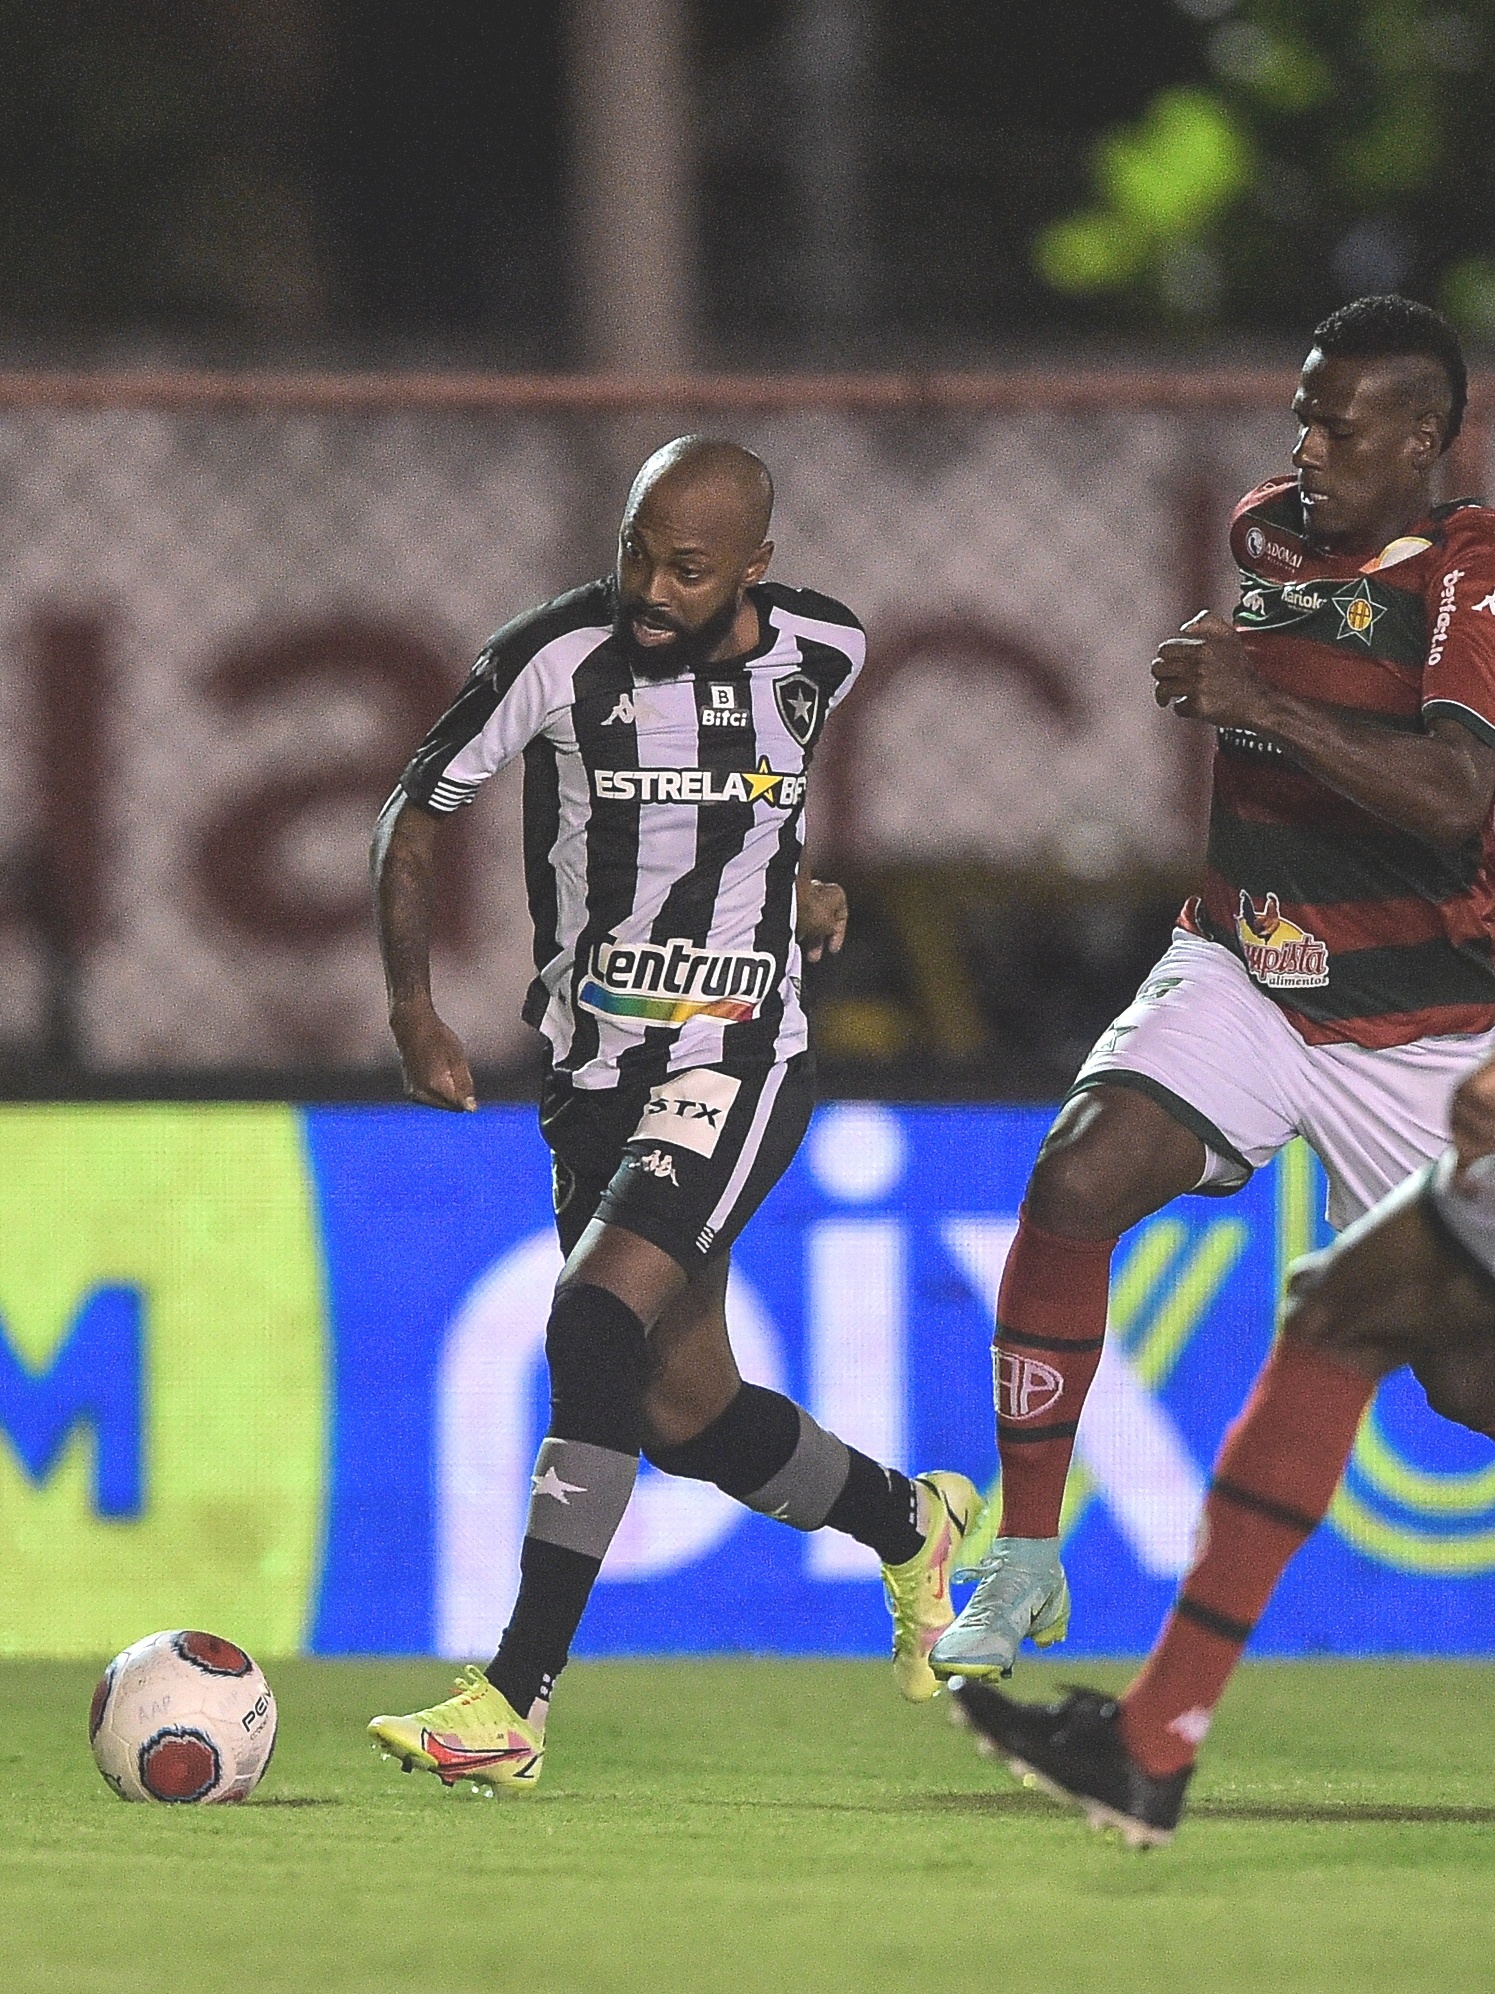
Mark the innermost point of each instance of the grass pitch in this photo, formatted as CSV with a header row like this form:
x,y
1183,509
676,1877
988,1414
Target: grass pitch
x,y
761,1825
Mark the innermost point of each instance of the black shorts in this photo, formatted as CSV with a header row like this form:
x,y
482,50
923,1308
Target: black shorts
x,y
685,1163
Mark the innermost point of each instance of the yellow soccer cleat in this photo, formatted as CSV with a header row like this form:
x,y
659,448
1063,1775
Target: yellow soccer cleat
x,y
919,1592
474,1735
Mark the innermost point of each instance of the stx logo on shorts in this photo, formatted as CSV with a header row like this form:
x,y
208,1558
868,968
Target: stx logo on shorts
x,y
760,785
689,1110
1026,1386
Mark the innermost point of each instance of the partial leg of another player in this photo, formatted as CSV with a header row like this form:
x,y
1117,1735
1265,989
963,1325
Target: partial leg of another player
x,y
1113,1157
1396,1288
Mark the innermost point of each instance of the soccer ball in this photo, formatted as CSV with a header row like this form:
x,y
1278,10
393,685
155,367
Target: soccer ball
x,y
182,1717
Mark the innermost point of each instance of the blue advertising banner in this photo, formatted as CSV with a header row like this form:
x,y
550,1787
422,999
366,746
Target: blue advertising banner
x,y
280,1371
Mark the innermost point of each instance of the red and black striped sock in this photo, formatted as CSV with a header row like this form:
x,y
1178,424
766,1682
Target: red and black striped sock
x,y
1051,1324
1274,1479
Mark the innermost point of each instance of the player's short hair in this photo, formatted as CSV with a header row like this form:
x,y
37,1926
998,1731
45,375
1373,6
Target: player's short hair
x,y
1391,327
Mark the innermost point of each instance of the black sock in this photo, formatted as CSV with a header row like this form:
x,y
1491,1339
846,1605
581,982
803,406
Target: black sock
x,y
880,1507
598,1358
554,1587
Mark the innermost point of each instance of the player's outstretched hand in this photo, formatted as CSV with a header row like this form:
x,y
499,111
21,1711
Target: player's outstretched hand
x,y
436,1069
1204,674
820,918
1474,1115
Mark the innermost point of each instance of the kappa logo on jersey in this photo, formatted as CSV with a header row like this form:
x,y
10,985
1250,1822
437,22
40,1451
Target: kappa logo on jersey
x,y
1026,1387
798,700
689,1110
623,714
668,983
1487,604
654,1163
1279,954
761,785
722,708
1359,612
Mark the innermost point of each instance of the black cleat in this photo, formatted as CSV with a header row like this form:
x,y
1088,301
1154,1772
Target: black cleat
x,y
1074,1751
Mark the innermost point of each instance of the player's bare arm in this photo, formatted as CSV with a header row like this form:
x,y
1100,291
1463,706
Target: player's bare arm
x,y
401,859
1439,785
820,914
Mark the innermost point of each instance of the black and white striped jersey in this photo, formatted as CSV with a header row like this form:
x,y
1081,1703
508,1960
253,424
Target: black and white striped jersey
x,y
662,826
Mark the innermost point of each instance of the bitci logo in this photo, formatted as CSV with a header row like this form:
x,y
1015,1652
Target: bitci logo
x,y
1026,1386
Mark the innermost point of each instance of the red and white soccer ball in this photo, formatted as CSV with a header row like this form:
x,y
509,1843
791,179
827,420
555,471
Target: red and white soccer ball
x,y
182,1717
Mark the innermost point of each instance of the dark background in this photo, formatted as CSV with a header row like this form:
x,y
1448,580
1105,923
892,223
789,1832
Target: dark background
x,y
344,179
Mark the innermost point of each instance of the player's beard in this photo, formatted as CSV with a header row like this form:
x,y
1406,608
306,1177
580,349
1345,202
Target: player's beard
x,y
689,650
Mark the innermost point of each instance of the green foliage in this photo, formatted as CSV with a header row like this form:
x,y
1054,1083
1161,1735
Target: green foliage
x,y
1340,146
1162,181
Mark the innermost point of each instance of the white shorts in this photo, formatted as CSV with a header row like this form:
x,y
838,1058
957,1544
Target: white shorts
x,y
1204,1042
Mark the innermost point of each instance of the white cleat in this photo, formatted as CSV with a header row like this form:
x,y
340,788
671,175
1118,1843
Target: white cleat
x,y
1021,1594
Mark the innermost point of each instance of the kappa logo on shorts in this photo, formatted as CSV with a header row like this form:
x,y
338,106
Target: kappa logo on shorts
x,y
1278,953
1026,1386
689,1110
654,1163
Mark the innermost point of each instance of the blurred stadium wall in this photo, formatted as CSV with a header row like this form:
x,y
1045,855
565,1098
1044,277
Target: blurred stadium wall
x,y
230,605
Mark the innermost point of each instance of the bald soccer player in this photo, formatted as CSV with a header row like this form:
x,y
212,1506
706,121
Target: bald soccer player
x,y
668,718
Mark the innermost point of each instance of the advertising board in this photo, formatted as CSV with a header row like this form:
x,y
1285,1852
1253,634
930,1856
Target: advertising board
x,y
278,1371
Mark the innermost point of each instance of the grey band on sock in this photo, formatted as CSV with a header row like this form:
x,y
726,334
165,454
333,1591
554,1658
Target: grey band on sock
x,y
804,1490
578,1495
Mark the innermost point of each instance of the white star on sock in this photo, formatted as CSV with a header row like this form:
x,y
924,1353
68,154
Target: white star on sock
x,y
550,1484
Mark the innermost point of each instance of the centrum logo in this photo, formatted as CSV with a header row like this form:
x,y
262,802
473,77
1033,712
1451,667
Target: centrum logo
x,y
668,983
759,785
1278,953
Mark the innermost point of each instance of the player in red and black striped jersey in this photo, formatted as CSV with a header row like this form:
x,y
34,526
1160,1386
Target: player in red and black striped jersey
x,y
1335,978
1362,928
